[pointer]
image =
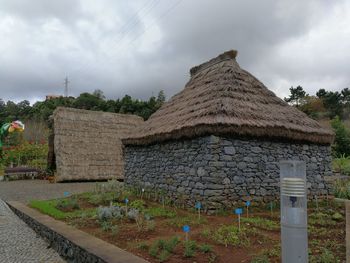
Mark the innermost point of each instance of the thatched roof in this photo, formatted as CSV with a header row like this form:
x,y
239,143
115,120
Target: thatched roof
x,y
221,99
87,144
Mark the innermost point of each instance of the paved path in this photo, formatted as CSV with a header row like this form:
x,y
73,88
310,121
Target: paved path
x,y
26,190
19,243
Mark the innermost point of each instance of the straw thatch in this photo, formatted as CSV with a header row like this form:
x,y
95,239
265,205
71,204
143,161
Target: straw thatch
x,y
223,99
87,144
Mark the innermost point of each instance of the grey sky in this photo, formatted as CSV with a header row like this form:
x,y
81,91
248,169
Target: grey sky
x,y
139,47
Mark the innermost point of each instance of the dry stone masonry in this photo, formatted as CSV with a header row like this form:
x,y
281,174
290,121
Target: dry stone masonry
x,y
220,171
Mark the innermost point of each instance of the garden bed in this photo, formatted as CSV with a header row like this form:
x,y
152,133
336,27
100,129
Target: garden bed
x,y
149,225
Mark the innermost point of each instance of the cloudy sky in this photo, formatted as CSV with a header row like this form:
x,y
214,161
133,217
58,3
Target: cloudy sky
x,y
139,47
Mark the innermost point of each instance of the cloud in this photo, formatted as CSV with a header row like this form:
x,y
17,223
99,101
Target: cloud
x,y
140,47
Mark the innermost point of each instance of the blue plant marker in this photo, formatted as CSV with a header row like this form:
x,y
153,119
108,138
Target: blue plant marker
x,y
186,228
238,211
65,194
198,205
247,203
126,200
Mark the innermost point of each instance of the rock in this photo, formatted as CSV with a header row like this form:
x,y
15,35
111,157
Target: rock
x,y
201,171
226,181
242,165
229,150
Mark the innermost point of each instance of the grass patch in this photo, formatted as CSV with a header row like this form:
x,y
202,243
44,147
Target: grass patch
x,y
192,220
160,212
262,223
230,235
49,207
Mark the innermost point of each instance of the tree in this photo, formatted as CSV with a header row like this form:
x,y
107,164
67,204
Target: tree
x,y
296,96
99,94
341,144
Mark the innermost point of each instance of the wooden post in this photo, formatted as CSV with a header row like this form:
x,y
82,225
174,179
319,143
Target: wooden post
x,y
347,228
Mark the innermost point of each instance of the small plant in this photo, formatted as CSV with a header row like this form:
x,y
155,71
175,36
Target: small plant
x,y
260,259
206,232
160,212
261,223
162,249
341,189
68,204
230,235
106,226
142,246
163,255
190,248
114,230
134,214
150,225
205,248
138,204
171,244
187,220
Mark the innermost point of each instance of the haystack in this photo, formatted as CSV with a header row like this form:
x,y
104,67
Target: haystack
x,y
87,144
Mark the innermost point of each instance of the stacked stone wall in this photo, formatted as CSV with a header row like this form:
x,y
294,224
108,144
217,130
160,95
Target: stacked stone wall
x,y
221,171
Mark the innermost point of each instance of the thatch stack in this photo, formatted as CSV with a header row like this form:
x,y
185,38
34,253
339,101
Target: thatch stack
x,y
88,145
223,99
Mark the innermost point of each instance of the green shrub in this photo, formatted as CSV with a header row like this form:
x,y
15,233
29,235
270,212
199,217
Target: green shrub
x,y
190,248
160,212
68,204
138,204
187,220
261,223
230,235
341,189
205,248
341,145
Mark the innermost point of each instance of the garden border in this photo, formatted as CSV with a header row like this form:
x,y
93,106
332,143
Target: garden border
x,y
72,244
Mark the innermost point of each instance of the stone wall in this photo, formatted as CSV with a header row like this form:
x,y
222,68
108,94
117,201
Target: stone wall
x,y
220,171
87,144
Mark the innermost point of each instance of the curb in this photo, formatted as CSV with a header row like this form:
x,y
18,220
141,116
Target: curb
x,y
72,244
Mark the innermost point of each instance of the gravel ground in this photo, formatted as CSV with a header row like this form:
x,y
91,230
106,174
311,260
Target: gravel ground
x,y
19,243
26,190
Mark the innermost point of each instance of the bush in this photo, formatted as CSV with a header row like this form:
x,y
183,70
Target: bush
x,y
190,248
341,189
341,144
230,235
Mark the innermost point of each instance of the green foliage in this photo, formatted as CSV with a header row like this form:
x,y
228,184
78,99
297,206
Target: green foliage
x,y
160,212
25,154
262,223
230,235
205,248
326,257
341,144
341,164
162,249
296,96
260,259
341,189
138,204
49,208
67,204
190,248
192,220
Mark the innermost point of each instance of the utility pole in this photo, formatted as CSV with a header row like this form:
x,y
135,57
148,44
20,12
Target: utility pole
x,y
66,87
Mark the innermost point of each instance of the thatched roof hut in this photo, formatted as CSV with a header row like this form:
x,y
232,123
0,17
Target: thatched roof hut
x,y
221,98
87,143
